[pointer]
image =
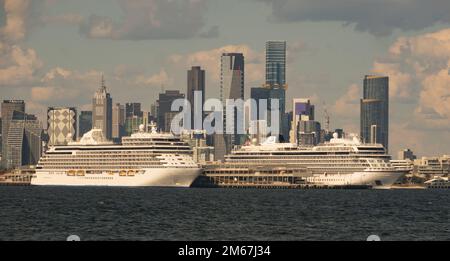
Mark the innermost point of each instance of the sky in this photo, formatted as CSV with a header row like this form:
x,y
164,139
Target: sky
x,y
53,53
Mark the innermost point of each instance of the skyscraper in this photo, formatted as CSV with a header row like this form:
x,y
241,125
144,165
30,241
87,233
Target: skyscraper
x,y
102,111
164,107
276,64
406,154
118,121
375,110
308,132
195,82
270,94
8,108
302,110
61,125
24,140
133,109
84,122
231,87
276,80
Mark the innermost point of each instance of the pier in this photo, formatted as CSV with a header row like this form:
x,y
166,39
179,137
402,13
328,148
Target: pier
x,y
249,181
17,178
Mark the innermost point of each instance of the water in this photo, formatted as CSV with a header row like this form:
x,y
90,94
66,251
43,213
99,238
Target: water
x,y
54,213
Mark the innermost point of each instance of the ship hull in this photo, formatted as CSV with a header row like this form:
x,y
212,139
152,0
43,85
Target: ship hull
x,y
154,177
374,179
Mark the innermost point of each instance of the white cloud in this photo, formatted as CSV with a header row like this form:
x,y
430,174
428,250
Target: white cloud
x,y
418,68
156,80
379,17
64,86
347,106
152,19
17,65
400,83
210,61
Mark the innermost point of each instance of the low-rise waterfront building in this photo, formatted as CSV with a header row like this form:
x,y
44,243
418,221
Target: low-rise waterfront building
x,y
432,166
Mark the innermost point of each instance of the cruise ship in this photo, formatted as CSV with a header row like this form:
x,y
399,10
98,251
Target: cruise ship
x,y
144,159
438,183
339,162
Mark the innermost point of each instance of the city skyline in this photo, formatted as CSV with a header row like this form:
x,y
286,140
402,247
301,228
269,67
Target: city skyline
x,y
52,63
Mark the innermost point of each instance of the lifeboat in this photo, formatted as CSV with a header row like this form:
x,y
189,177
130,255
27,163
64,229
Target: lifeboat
x,y
131,173
71,173
123,173
80,173
110,173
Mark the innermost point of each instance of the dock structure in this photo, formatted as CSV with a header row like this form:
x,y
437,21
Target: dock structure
x,y
14,179
19,177
258,181
267,176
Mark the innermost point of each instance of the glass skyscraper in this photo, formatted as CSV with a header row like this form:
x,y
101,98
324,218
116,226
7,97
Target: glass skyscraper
x,y
24,143
84,123
269,94
164,108
8,109
302,120
231,87
118,121
276,64
375,110
195,82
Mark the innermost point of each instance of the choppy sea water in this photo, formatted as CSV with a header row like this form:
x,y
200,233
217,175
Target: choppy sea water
x,y
54,213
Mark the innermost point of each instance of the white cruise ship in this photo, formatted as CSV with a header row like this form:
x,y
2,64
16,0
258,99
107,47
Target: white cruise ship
x,y
438,183
340,162
144,159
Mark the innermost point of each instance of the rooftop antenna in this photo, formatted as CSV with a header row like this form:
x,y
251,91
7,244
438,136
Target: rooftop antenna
x,y
103,86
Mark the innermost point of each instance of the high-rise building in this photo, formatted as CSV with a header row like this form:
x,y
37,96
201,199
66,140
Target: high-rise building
x,y
264,114
375,110
24,140
154,111
196,83
406,154
168,118
259,131
220,146
84,122
118,122
8,108
147,120
231,87
201,152
132,124
133,117
302,110
61,125
164,107
133,109
102,111
308,132
276,64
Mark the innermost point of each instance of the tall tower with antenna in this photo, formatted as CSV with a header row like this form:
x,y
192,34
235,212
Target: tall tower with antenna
x,y
327,117
102,110
102,84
